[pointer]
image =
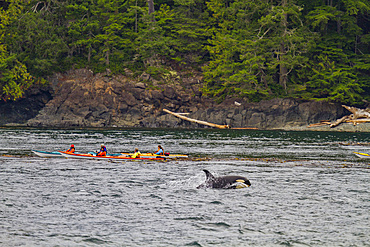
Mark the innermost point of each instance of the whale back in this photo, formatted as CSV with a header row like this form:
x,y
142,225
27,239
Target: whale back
x,y
226,182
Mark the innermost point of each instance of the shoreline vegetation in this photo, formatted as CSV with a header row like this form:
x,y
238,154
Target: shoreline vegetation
x,y
252,50
241,64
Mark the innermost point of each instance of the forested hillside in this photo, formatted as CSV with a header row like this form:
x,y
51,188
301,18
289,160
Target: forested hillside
x,y
255,49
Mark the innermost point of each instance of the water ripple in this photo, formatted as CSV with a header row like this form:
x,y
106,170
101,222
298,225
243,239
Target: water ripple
x,y
306,190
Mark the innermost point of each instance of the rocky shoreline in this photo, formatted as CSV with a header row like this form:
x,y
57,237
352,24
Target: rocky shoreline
x,y
81,99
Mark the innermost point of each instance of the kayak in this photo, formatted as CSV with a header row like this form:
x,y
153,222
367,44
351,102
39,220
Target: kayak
x,y
167,156
57,154
46,154
362,155
107,157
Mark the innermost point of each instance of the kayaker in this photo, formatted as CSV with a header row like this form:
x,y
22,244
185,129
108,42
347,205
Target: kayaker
x,y
71,149
103,151
160,150
136,154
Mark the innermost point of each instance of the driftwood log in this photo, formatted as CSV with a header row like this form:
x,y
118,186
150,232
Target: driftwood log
x,y
358,113
357,116
181,115
322,123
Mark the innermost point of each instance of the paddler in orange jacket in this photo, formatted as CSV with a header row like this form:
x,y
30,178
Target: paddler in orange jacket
x,y
71,149
103,151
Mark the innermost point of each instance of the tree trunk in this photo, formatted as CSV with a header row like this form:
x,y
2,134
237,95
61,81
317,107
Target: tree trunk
x,y
136,18
89,55
107,58
150,7
283,77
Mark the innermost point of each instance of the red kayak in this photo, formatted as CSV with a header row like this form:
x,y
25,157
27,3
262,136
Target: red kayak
x,y
94,157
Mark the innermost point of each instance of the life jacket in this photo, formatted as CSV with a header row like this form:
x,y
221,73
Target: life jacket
x,y
71,150
136,155
102,152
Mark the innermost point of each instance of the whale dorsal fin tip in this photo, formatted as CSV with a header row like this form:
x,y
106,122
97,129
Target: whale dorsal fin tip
x,y
208,174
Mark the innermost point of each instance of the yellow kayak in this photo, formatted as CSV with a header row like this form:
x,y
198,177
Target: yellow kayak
x,y
167,156
362,155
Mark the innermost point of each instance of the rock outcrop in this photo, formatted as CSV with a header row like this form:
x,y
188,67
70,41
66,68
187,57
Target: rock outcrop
x,y
86,100
82,99
20,111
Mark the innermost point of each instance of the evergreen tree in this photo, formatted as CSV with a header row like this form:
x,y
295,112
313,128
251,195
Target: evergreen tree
x,y
102,32
255,46
39,37
339,62
152,43
191,29
255,49
14,77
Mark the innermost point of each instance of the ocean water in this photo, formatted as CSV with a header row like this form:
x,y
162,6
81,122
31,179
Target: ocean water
x,y
308,189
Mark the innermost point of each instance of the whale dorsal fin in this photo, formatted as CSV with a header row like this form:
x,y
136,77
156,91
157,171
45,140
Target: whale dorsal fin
x,y
208,175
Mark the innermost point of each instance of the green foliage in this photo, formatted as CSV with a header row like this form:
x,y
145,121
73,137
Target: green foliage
x,y
334,83
102,32
152,42
278,51
252,44
14,78
156,72
253,49
37,38
338,70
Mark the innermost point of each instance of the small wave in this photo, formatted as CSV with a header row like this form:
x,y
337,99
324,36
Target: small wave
x,y
190,218
214,226
95,241
195,243
216,202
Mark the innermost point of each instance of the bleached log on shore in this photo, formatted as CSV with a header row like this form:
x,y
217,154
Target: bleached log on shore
x,y
358,113
322,123
197,121
357,121
339,121
357,116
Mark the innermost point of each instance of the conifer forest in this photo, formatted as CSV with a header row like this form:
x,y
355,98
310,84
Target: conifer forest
x,y
252,49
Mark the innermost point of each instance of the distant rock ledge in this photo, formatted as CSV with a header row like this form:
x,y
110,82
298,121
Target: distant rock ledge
x,y
80,99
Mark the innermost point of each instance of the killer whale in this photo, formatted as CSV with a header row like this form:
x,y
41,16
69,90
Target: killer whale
x,y
224,182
